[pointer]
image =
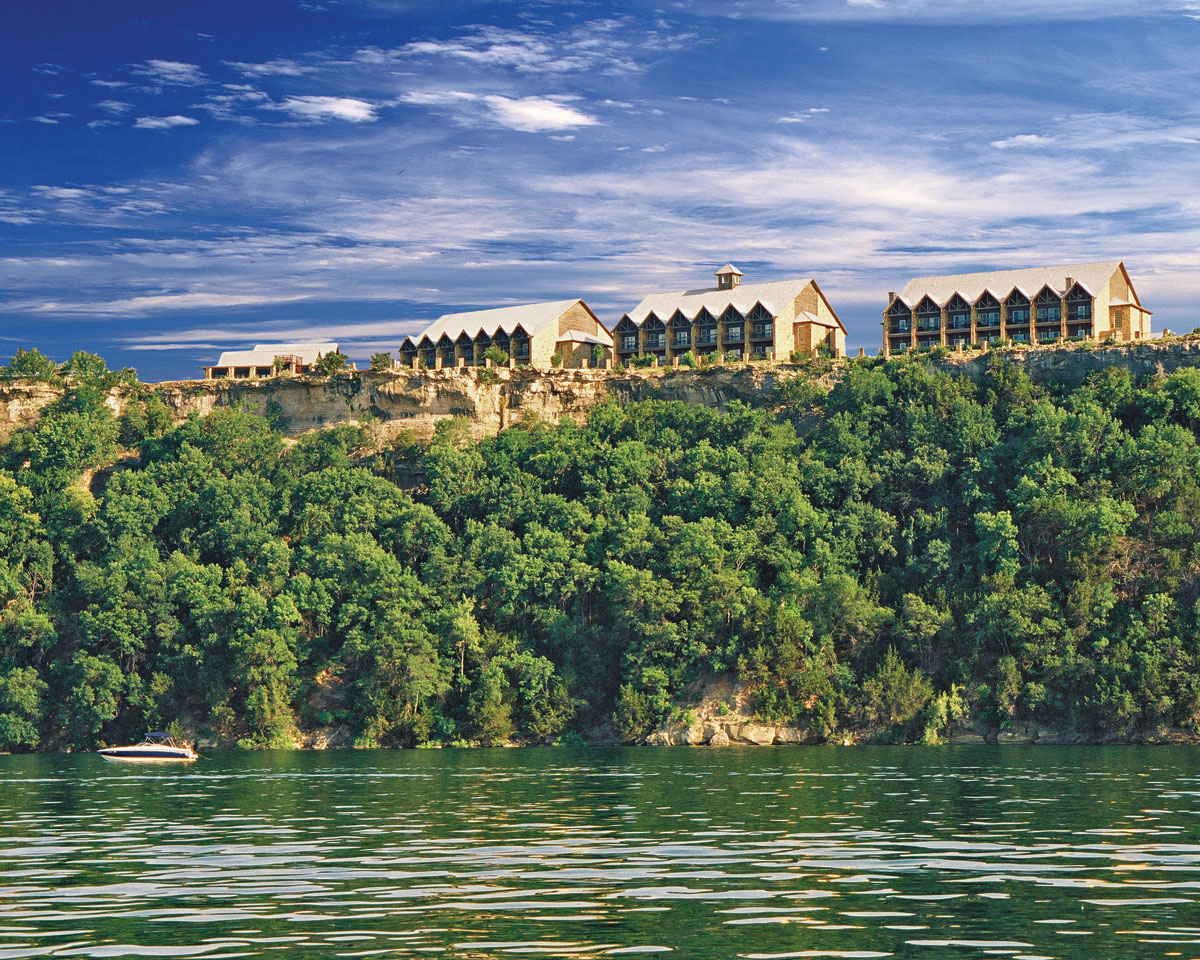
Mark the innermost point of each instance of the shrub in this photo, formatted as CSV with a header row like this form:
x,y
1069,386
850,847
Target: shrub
x,y
556,359
497,355
330,365
381,361
31,365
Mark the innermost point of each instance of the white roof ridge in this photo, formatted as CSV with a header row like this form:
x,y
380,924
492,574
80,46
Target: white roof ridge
x,y
1001,283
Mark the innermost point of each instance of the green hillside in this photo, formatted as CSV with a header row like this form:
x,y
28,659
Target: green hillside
x,y
903,554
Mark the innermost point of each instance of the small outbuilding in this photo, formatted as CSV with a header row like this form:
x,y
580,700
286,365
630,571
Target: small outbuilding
x,y
268,360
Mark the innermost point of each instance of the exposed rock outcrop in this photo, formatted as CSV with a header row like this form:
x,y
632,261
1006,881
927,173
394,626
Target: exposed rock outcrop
x,y
415,402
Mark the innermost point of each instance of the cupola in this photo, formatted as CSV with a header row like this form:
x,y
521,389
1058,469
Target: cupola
x,y
728,277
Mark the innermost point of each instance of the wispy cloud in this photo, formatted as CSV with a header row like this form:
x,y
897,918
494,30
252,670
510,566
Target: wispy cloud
x,y
114,106
599,45
327,108
272,68
164,123
169,72
531,114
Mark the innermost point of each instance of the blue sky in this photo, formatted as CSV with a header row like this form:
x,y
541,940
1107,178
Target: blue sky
x,y
177,179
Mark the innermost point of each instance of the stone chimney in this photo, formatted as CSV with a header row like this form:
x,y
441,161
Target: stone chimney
x,y
728,277
1070,282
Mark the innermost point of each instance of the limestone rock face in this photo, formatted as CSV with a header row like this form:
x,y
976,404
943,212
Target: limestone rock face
x,y
793,735
21,403
752,733
719,738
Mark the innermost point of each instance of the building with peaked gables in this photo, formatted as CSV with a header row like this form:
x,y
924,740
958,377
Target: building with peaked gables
x,y
531,334
1094,301
268,360
747,320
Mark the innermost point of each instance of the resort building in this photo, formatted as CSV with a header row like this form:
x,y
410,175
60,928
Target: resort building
x,y
1089,301
565,332
756,321
268,360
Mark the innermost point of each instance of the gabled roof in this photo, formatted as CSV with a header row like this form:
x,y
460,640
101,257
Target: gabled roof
x,y
1000,283
533,318
772,296
578,336
264,354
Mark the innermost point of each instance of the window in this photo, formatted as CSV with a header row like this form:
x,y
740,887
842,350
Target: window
x,y
1018,315
902,326
763,330
656,340
629,342
988,318
733,332
1084,311
1048,314
960,321
707,335
682,338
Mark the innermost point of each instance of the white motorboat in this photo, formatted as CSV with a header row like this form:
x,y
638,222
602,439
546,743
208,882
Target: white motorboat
x,y
156,748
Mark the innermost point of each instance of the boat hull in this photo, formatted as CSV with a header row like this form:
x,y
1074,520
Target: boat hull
x,y
152,755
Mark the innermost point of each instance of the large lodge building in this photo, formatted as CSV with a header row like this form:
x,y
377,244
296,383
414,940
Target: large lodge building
x,y
1090,301
754,321
531,334
759,321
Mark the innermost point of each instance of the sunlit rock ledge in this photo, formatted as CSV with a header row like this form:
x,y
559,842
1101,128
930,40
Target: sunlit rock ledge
x,y
413,402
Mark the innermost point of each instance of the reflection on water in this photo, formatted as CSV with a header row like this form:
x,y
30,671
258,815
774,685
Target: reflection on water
x,y
758,853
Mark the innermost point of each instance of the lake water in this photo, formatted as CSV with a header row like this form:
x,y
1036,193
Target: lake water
x,y
805,852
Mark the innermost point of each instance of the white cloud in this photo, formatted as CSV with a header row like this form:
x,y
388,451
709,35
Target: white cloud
x,y
114,106
164,123
167,301
526,114
536,114
1022,140
327,108
272,68
804,116
588,47
170,72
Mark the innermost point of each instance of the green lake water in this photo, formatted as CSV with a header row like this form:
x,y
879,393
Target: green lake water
x,y
1067,852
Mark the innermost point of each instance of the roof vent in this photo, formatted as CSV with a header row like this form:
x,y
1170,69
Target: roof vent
x,y
728,277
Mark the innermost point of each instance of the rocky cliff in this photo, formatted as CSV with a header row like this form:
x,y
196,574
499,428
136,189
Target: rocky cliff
x,y
491,400
415,402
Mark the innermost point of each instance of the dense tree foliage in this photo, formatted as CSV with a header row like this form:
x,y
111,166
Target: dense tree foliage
x,y
904,552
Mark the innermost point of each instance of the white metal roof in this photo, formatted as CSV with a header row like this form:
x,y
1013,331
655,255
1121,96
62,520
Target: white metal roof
x,y
1000,283
531,317
743,299
578,336
264,354
805,316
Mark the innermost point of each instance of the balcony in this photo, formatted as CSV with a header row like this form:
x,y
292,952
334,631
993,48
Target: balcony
x,y
763,331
